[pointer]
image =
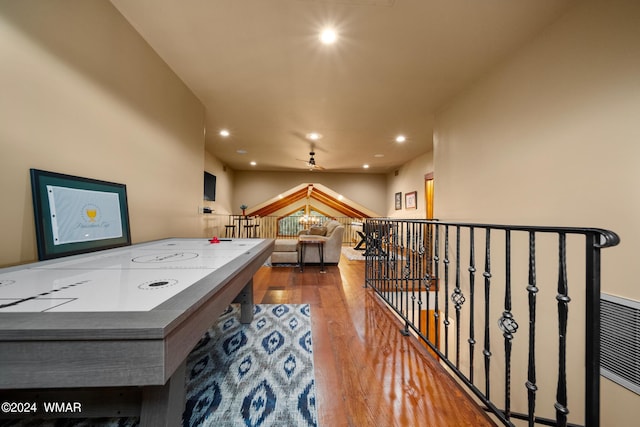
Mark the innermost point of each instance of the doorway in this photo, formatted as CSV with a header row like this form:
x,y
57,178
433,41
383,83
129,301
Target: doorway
x,y
428,194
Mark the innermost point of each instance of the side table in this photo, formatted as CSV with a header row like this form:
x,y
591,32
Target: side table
x,y
305,241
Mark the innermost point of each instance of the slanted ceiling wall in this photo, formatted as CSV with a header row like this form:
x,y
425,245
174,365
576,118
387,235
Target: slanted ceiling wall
x,y
307,194
365,192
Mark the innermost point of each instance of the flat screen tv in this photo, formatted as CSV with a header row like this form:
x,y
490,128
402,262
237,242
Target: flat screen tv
x,y
209,187
75,215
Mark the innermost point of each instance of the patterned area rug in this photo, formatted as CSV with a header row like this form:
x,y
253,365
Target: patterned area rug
x,y
267,378
352,254
254,375
358,255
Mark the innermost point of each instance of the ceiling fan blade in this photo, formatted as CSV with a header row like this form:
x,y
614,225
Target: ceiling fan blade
x,y
311,162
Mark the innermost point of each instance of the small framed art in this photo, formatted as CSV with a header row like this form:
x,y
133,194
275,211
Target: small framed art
x,y
398,201
410,200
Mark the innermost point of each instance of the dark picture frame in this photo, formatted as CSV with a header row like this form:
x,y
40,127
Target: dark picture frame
x,y
90,215
398,200
410,200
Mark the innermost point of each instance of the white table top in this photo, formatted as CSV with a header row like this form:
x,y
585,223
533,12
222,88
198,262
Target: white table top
x,y
132,278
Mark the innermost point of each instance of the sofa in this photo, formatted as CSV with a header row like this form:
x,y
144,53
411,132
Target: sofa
x,y
285,251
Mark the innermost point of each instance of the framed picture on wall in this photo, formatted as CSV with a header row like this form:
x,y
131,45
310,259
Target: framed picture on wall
x,y
398,201
410,200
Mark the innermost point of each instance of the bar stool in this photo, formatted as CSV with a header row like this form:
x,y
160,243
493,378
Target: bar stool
x,y
248,227
256,225
231,227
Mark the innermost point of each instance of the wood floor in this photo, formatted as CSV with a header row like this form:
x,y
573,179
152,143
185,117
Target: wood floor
x,y
367,373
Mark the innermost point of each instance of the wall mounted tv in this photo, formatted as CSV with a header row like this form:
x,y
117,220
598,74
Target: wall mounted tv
x,y
75,215
209,187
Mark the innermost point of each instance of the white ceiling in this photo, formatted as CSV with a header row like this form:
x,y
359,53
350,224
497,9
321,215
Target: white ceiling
x,y
260,71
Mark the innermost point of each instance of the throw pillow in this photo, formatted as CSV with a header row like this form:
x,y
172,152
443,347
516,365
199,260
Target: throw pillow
x,y
317,231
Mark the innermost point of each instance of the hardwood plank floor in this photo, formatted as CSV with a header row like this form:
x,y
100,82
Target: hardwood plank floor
x,y
367,373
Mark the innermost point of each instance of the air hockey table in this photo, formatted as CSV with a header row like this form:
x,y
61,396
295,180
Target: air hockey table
x,y
109,332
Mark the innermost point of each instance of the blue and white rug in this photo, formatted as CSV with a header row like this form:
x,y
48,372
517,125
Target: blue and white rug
x,y
259,374
254,375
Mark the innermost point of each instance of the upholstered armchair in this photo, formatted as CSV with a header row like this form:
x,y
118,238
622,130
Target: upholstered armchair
x,y
331,232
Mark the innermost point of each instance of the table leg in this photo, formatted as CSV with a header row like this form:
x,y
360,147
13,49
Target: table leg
x,y
301,256
362,241
163,405
321,253
245,298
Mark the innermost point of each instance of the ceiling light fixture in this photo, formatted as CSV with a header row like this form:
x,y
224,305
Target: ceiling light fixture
x,y
314,136
401,138
224,133
328,36
253,163
365,166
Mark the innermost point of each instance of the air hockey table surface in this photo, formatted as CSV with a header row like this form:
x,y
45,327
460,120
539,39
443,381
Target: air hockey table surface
x,y
120,318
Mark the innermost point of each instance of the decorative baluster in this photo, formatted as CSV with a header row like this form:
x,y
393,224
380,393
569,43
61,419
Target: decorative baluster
x,y
532,290
385,280
436,273
392,268
472,287
414,271
407,278
406,272
508,326
487,285
391,264
457,297
563,310
367,264
417,274
446,291
428,278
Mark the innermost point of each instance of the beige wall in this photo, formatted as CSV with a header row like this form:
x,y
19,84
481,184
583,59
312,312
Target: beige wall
x,y
224,184
83,94
254,188
407,178
551,137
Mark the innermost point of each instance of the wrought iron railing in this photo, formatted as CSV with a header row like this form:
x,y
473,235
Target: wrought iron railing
x,y
463,289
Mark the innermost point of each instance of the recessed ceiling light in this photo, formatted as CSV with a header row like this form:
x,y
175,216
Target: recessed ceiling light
x,y
401,138
365,166
224,133
378,155
314,136
241,151
328,36
253,163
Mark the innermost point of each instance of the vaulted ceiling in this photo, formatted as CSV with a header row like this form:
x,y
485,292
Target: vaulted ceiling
x,y
308,193
262,74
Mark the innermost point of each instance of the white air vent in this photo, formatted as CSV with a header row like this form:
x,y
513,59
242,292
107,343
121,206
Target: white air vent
x,y
620,341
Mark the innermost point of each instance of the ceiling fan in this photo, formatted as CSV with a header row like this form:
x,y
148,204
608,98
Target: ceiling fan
x,y
311,163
